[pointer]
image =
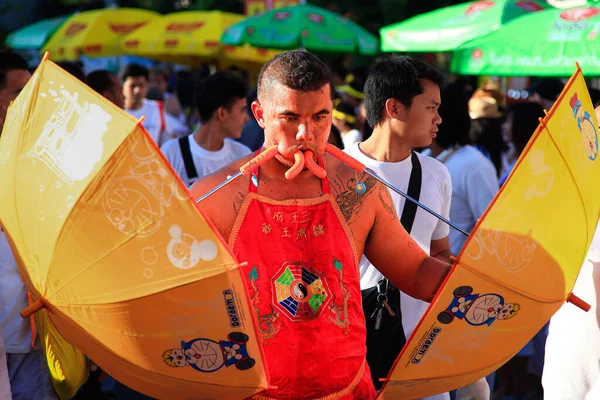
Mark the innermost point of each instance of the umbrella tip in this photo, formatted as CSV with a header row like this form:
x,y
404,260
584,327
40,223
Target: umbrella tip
x,y
46,56
32,309
578,302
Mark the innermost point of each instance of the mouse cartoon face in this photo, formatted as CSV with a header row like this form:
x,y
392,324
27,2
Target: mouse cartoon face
x,y
508,311
175,358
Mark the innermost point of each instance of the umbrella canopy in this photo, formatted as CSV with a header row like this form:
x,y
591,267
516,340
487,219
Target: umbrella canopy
x,y
542,44
96,33
302,26
519,264
191,37
115,251
449,27
34,36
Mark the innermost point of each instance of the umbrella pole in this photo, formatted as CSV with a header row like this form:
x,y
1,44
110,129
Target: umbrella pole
x,y
219,186
360,167
370,172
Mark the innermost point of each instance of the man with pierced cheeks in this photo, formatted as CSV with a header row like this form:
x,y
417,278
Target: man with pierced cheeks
x,y
302,239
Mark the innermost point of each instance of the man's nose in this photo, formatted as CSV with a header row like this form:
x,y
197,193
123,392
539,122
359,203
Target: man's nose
x,y
304,134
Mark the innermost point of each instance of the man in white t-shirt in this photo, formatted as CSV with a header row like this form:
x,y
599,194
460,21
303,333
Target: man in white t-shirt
x,y
27,368
135,88
403,112
221,104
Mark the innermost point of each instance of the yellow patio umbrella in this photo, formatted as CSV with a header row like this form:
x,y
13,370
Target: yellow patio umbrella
x,y
119,260
96,33
192,37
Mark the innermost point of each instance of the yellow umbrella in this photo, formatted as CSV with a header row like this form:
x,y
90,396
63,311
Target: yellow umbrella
x,y
96,33
118,258
192,37
520,263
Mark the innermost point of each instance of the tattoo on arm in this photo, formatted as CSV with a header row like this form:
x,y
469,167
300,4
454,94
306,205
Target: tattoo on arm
x,y
386,200
350,201
238,200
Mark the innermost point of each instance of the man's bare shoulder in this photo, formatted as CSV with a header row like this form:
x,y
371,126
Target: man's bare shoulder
x,y
358,195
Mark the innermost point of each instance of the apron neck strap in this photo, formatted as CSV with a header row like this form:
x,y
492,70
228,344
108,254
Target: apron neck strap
x,y
324,181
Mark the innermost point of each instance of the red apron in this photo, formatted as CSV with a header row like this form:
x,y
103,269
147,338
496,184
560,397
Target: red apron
x,y
303,280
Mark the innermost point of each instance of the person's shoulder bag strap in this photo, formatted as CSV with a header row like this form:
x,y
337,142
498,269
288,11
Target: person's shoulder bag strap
x,y
188,161
414,190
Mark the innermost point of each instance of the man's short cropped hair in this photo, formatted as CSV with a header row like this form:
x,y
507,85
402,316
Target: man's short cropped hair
x,y
298,70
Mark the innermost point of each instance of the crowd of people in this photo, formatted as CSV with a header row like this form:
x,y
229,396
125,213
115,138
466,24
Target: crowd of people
x,y
451,145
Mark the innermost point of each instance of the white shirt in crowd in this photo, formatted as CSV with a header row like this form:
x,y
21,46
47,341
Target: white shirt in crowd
x,y
13,299
474,185
572,357
436,192
154,122
353,136
206,162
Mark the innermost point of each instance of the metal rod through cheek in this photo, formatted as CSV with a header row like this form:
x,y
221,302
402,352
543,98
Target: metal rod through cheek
x,y
219,186
370,172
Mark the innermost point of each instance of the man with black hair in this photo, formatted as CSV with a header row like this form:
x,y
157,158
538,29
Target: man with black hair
x,y
302,235
108,85
402,96
27,368
221,104
135,89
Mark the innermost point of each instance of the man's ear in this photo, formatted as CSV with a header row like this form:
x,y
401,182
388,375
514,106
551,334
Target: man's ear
x,y
395,109
220,113
258,112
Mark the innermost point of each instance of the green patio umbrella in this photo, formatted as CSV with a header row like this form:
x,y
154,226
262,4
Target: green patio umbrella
x,y
34,36
547,43
449,27
302,26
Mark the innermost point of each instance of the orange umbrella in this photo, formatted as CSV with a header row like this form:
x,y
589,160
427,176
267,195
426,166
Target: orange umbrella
x,y
192,37
119,259
519,264
96,33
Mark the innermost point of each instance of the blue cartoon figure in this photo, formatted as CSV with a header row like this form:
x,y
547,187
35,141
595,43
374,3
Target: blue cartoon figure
x,y
585,124
477,309
206,355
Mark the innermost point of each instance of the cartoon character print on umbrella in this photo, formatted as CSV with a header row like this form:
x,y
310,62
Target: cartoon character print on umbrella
x,y
586,126
477,309
207,355
71,143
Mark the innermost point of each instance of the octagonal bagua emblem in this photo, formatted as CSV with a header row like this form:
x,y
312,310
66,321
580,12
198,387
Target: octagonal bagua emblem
x,y
300,292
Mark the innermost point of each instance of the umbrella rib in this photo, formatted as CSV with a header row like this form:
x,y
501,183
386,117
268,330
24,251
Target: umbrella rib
x,y
562,157
505,285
